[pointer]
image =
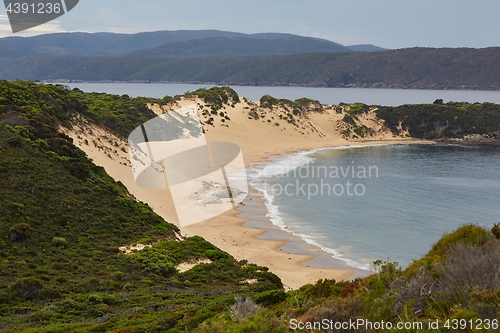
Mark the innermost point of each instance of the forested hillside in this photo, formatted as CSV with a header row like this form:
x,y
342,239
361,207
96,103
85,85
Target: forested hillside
x,y
63,220
442,121
415,68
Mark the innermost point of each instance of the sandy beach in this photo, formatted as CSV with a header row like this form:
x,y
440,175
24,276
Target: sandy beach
x,y
244,232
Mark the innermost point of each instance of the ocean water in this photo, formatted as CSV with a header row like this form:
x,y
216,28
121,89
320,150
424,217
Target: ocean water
x,y
388,202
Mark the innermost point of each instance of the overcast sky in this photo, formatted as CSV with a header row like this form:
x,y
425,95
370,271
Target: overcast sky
x,y
386,23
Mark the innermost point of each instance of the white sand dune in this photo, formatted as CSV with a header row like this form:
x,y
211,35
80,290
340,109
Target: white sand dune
x,y
261,133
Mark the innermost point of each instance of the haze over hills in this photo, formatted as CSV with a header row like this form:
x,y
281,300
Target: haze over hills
x,y
174,43
241,46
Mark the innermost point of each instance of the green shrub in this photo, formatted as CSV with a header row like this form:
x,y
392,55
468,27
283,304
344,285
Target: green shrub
x,y
270,297
467,234
496,230
109,299
94,299
119,276
322,288
465,314
216,97
471,234
26,288
268,276
267,101
51,307
48,294
59,242
19,232
128,286
44,316
215,255
154,261
349,119
68,304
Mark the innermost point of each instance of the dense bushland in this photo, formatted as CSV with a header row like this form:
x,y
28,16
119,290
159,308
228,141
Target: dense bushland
x,y
439,120
63,219
456,284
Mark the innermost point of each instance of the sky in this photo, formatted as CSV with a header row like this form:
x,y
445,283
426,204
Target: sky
x,y
386,23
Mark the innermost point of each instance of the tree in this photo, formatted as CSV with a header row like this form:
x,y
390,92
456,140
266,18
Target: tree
x,y
26,287
19,232
496,230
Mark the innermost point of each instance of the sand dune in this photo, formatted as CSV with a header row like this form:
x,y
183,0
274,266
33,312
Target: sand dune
x,y
260,132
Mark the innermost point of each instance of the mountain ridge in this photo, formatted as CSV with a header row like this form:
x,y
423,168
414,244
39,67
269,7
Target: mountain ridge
x,y
114,44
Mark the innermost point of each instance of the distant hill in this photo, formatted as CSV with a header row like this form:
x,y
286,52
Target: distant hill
x,y
241,46
365,48
169,43
65,43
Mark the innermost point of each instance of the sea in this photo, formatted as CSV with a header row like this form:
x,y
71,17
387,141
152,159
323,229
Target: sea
x,y
380,202
364,203
370,96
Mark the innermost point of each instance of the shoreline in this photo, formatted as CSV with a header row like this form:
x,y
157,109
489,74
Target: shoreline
x,y
252,222
297,263
270,84
231,233
293,243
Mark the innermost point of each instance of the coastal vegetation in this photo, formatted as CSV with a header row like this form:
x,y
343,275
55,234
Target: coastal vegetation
x,y
215,98
121,114
63,220
65,227
453,288
439,120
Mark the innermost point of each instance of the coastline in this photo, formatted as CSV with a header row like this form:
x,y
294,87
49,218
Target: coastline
x,y
359,85
245,234
252,237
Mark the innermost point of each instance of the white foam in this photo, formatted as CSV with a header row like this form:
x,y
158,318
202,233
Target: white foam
x,y
280,165
277,166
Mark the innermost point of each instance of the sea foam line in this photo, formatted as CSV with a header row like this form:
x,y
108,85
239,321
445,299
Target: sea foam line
x,y
282,164
276,219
